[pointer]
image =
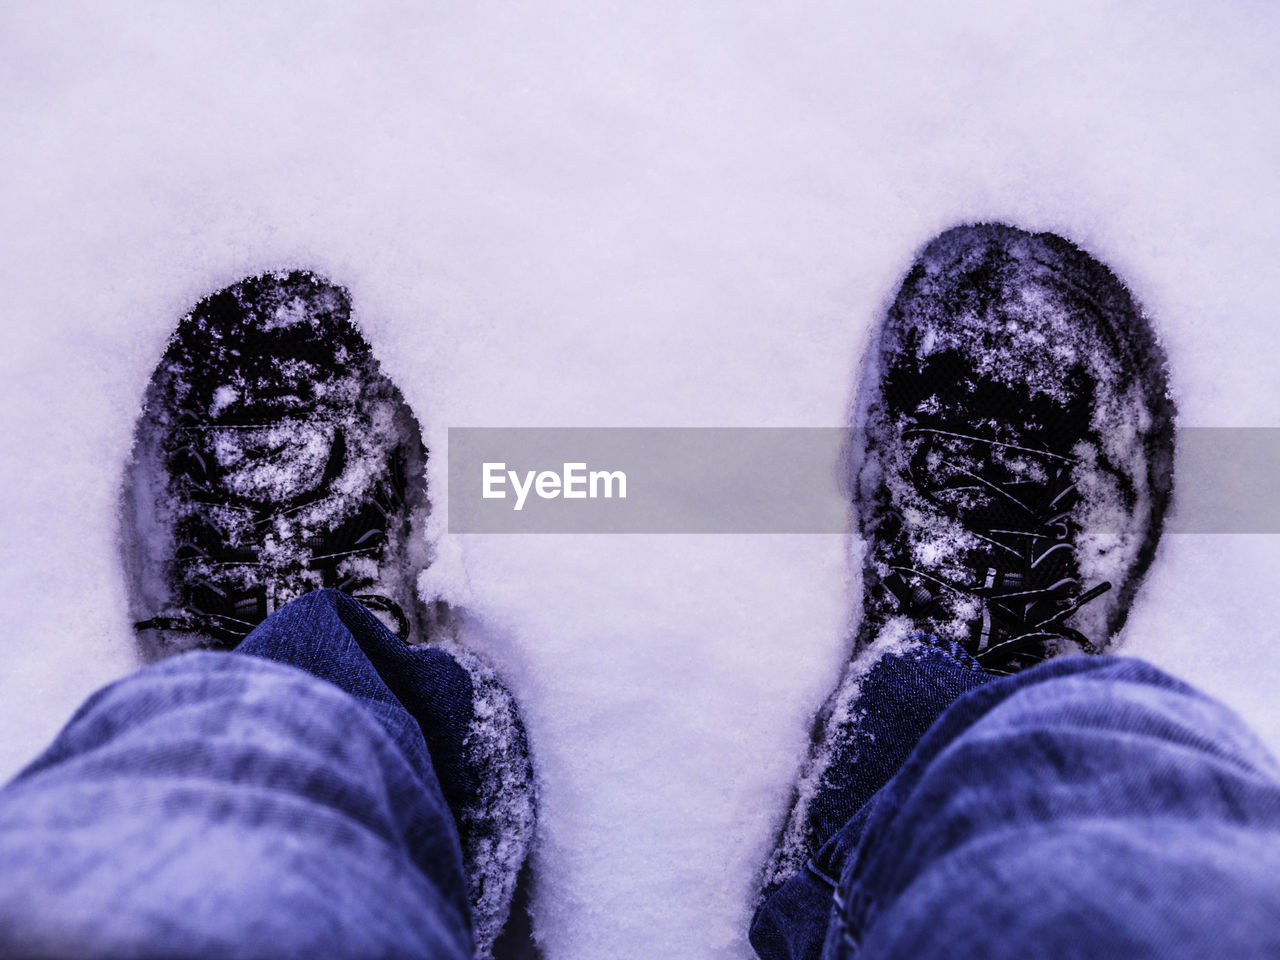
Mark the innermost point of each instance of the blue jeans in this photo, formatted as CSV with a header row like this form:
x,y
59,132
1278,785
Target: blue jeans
x,y
294,802
287,803
1089,807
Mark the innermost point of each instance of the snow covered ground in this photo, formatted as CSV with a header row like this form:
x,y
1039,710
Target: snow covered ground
x,y
607,214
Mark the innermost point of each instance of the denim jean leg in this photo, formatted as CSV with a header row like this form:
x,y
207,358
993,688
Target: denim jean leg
x,y
1087,807
276,801
416,693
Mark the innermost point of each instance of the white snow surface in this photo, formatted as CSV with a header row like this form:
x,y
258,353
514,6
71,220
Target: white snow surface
x,y
608,214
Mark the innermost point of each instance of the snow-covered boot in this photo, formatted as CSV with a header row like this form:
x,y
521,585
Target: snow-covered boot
x,y
272,458
1012,466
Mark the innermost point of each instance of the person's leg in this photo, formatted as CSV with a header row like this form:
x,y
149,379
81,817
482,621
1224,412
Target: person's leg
x,y
274,457
1011,472
222,804
1088,807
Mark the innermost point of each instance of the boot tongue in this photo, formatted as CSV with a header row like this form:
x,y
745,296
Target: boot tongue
x,y
277,463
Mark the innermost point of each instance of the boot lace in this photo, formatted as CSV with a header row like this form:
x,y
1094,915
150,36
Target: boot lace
x,y
1030,585
206,548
